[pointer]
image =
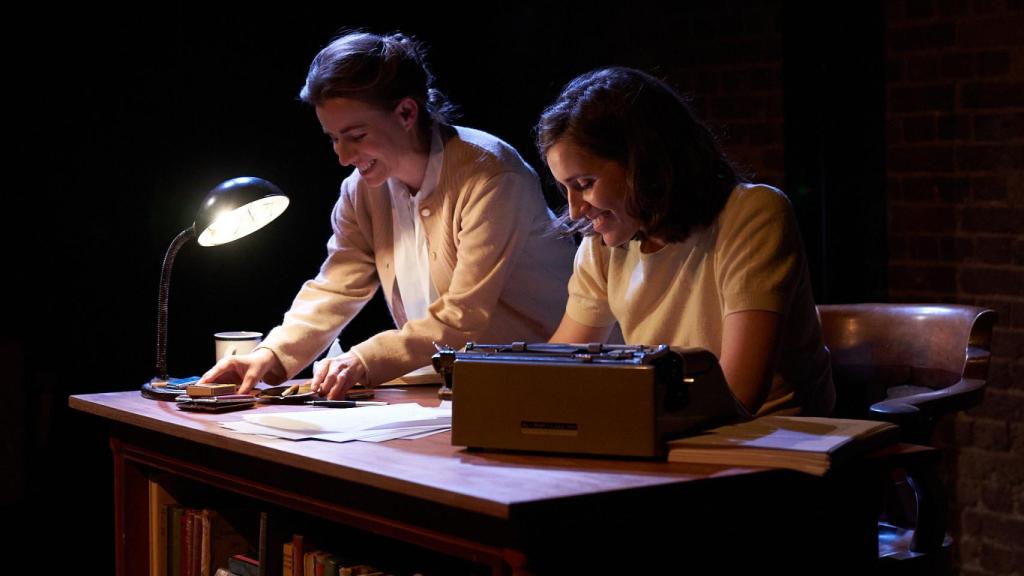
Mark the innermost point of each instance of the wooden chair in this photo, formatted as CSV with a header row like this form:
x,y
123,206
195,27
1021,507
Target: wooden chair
x,y
909,364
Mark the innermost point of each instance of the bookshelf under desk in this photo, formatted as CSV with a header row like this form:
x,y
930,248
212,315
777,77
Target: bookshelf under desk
x,y
505,512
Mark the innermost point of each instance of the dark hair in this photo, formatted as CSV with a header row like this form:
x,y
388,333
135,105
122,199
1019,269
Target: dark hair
x,y
678,178
378,70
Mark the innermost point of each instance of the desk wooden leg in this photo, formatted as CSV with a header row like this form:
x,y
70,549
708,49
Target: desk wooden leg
x,y
119,508
131,515
516,563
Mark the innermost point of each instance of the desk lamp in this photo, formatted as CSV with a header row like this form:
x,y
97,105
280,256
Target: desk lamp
x,y
233,209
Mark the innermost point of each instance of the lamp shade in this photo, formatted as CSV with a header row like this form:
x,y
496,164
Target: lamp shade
x,y
237,207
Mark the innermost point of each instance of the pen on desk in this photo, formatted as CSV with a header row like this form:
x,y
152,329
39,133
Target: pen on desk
x,y
344,403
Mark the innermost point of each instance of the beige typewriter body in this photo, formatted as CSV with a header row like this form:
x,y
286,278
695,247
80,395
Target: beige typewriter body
x,y
607,400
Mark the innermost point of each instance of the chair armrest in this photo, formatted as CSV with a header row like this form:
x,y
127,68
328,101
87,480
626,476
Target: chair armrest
x,y
966,393
977,363
915,413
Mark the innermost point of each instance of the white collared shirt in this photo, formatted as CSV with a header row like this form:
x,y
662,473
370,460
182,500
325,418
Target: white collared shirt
x,y
412,263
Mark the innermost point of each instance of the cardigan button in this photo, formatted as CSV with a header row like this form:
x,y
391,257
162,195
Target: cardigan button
x,y
425,212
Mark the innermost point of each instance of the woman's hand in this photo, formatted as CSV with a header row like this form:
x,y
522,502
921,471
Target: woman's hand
x,y
247,369
335,376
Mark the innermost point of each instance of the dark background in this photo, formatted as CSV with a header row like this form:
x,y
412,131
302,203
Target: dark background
x,y
123,122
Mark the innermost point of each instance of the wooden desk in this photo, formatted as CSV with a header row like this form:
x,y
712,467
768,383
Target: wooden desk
x,y
508,513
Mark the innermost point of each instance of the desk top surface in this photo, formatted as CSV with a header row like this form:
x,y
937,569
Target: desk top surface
x,y
483,482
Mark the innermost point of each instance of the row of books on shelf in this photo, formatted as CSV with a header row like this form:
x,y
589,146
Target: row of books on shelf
x,y
298,561
235,541
186,541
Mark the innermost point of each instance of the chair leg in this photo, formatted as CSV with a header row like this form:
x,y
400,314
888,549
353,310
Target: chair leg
x,y
920,545
930,532
900,501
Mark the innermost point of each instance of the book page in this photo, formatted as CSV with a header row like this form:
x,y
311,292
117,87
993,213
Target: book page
x,y
791,433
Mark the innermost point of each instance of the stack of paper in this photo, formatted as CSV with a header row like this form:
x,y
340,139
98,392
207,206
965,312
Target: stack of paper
x,y
370,424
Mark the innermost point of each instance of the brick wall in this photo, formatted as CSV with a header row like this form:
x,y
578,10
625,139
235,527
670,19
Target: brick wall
x,y
731,65
955,129
955,188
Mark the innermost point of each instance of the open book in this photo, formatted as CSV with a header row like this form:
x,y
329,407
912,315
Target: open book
x,y
812,445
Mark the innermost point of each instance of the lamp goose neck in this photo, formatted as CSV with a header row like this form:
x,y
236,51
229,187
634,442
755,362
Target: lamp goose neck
x,y
165,281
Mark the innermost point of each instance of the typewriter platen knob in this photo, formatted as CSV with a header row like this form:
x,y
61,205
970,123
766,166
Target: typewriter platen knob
x,y
444,363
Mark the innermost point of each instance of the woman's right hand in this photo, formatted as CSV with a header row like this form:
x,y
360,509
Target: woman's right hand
x,y
247,369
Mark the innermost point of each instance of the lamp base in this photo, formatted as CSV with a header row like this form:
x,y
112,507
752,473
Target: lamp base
x,y
166,389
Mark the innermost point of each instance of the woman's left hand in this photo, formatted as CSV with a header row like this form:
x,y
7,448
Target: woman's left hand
x,y
335,376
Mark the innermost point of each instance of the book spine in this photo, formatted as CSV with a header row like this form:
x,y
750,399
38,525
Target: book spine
x,y
174,526
196,553
264,541
298,551
309,563
287,560
159,501
186,543
204,546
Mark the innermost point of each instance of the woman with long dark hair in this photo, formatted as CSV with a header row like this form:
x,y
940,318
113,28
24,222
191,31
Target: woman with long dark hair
x,y
678,248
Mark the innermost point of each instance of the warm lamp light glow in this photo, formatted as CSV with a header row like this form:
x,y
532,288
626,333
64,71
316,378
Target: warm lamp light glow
x,y
233,224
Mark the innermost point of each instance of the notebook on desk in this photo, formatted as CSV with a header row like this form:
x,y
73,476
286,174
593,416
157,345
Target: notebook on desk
x,y
807,444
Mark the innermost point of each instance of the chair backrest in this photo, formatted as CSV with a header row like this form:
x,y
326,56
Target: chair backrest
x,y
907,360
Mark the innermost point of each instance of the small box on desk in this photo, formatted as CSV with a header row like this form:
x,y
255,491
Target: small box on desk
x,y
606,400
204,390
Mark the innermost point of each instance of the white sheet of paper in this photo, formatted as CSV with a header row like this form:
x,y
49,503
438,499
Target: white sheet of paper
x,y
367,435
347,424
426,433
432,422
379,435
244,427
325,420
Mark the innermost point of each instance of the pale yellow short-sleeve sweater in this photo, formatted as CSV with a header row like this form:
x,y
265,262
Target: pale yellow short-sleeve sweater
x,y
750,258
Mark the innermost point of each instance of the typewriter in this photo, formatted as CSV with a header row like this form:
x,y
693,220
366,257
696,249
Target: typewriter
x,y
597,399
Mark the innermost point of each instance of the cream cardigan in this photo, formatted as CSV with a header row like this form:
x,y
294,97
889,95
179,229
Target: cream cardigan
x,y
500,273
